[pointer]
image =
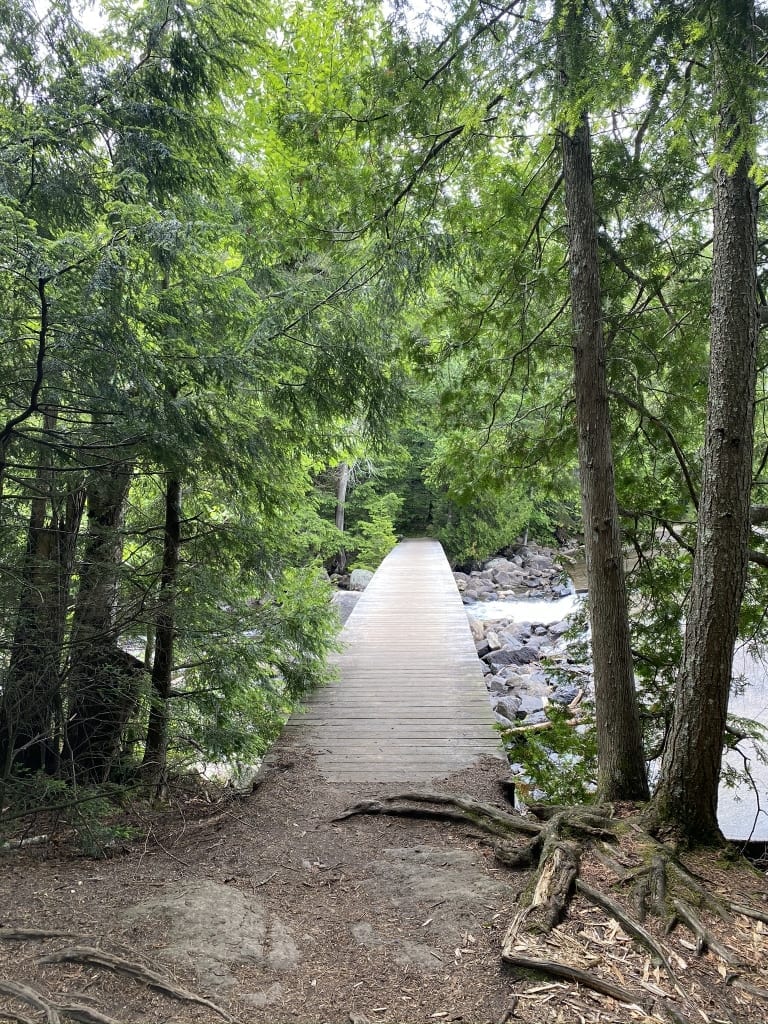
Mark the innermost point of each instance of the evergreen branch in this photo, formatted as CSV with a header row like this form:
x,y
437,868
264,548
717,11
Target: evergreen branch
x,y
679,454
441,141
487,26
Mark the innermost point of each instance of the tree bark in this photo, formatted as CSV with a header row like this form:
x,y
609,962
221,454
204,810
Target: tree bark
x,y
340,561
103,681
30,710
686,798
156,747
621,764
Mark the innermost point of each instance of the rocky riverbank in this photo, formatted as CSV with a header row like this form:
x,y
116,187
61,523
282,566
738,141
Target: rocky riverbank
x,y
528,663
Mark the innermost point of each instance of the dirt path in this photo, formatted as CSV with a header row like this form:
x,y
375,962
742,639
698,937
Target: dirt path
x,y
278,914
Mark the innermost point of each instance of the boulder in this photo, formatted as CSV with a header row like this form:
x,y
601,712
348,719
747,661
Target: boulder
x,y
508,707
495,684
499,564
560,627
530,703
505,579
477,628
499,659
359,579
493,640
566,693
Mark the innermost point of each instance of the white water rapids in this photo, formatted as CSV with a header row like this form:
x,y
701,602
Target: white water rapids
x,y
743,813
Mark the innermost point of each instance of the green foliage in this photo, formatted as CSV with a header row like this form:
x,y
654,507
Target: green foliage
x,y
375,536
559,763
89,818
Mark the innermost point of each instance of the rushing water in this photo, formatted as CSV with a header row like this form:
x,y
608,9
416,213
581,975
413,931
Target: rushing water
x,y
743,813
525,609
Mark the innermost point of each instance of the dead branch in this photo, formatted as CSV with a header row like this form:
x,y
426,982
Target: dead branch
x,y
109,961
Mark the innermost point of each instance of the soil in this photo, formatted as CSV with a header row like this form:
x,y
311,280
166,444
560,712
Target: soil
x,y
276,913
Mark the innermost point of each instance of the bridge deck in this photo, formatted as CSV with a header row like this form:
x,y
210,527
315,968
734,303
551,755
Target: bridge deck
x,y
410,703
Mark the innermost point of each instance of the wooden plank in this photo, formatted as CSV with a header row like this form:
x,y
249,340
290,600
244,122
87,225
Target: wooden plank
x,y
409,703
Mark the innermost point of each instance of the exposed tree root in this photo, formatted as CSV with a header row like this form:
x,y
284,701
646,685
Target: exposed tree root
x,y
54,1010
554,847
32,997
628,923
100,958
451,808
704,938
576,975
28,934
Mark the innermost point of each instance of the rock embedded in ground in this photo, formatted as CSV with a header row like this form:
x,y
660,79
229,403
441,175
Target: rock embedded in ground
x,y
213,929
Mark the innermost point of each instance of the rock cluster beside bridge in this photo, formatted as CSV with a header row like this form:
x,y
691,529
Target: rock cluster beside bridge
x,y
527,664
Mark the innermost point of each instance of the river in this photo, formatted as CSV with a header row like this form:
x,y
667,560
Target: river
x,y
742,812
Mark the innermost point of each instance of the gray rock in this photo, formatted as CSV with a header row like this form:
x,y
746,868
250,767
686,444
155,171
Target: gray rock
x,y
477,628
539,561
505,579
483,649
565,693
214,928
469,597
508,706
499,564
512,677
359,579
493,640
498,659
529,704
560,627
509,642
344,601
496,684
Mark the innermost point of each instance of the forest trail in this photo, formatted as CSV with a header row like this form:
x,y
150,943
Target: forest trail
x,y
277,907
410,703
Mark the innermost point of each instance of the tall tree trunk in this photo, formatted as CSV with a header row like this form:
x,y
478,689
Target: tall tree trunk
x,y
686,798
621,764
156,748
340,561
30,710
103,682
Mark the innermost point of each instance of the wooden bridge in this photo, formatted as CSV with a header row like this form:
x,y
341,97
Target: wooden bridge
x,y
410,703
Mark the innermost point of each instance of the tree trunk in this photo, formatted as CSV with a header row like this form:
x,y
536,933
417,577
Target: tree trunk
x,y
340,561
103,681
30,710
156,748
686,799
621,765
